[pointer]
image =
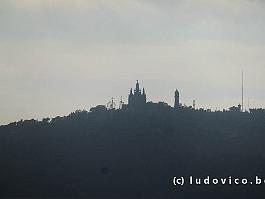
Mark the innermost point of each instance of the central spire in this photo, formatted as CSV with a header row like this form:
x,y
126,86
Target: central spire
x,y
137,86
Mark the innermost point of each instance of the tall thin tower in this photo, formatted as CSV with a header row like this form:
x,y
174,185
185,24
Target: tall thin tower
x,y
242,91
176,104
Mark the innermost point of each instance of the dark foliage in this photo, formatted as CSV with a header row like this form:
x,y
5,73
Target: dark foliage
x,y
132,153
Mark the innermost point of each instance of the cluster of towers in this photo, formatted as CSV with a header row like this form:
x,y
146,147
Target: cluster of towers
x,y
137,99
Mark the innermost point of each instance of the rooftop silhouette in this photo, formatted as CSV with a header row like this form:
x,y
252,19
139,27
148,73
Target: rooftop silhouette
x,y
137,100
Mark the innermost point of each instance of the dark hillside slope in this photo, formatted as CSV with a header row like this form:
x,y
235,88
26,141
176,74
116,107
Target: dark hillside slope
x,y
132,154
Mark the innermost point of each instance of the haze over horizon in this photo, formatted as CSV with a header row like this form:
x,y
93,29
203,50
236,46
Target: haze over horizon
x,y
60,56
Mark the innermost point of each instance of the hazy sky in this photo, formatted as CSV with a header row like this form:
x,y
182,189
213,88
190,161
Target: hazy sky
x,y
57,56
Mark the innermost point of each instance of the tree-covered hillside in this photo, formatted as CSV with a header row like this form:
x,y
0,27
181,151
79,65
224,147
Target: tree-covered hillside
x,y
132,153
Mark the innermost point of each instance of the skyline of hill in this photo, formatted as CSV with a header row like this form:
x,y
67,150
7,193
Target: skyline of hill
x,y
132,153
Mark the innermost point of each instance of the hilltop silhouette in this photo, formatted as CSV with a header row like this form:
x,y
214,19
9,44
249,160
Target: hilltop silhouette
x,y
133,152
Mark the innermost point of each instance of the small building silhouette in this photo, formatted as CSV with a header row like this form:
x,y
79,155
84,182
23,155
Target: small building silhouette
x,y
235,109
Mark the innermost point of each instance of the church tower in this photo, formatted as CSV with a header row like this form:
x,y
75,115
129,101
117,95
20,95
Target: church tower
x,y
176,105
137,99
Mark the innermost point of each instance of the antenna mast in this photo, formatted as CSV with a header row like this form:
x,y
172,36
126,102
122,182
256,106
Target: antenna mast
x,y
242,91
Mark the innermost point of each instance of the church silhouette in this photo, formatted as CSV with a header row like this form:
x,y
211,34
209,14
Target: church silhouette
x,y
137,98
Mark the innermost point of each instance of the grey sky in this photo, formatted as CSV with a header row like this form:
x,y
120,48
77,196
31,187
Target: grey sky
x,y
57,56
